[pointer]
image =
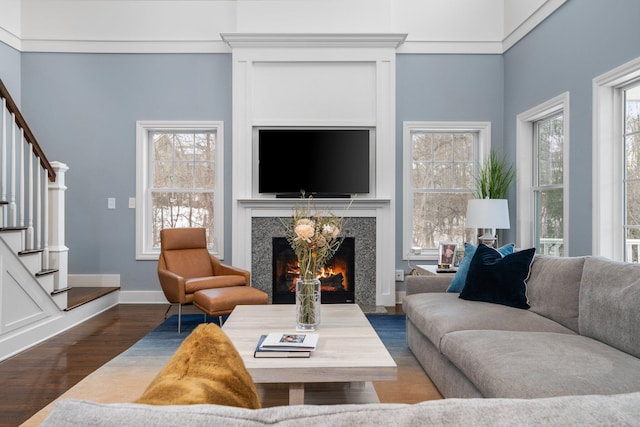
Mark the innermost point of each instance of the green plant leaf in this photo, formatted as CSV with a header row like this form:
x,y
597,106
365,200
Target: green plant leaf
x,y
494,178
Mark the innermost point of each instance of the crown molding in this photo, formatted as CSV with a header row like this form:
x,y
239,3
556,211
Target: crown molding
x,y
10,39
549,7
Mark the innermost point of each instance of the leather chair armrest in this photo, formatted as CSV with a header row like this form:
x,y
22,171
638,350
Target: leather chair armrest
x,y
172,285
220,269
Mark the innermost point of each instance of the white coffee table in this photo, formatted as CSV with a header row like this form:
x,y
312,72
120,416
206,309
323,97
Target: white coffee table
x,y
348,351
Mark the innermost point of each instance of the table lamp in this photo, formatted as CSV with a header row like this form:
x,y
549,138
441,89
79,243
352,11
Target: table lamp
x,y
488,215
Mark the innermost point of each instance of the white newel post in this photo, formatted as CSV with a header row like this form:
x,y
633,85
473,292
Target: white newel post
x,y
58,252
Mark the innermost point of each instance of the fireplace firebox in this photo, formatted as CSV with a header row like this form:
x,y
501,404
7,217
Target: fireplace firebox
x,y
336,279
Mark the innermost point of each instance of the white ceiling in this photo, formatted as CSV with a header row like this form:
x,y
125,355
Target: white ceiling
x,y
432,26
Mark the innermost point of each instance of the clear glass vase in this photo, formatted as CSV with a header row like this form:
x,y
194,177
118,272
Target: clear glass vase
x,y
307,304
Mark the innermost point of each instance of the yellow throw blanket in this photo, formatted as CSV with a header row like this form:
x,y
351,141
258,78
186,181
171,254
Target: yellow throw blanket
x,y
206,368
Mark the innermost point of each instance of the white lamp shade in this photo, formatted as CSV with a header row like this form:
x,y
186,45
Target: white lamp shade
x,y
488,213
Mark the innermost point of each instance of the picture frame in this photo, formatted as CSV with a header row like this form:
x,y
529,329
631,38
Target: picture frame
x,y
457,257
446,253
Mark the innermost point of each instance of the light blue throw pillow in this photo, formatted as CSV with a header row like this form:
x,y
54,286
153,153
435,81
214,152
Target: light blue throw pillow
x,y
460,278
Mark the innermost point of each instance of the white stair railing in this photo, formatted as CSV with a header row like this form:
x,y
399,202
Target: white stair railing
x,y
31,191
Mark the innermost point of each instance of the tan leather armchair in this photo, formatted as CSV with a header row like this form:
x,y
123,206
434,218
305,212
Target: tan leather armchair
x,y
185,266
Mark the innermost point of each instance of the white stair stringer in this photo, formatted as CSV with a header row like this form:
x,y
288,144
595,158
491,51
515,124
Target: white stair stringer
x,y
28,313
33,262
23,300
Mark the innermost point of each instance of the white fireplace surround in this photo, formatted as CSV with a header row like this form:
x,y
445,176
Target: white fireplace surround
x,y
316,80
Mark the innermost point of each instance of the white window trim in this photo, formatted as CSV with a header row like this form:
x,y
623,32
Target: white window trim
x,y
525,215
484,146
143,196
608,167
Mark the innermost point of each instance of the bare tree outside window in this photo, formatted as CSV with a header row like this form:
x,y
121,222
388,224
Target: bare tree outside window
x,y
442,171
182,181
548,188
632,173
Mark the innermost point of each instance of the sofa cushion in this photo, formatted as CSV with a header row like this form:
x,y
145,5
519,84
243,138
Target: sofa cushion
x,y
540,364
206,368
497,279
436,314
553,288
564,411
459,279
610,303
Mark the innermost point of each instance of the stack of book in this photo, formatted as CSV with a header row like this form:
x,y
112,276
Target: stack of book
x,y
283,344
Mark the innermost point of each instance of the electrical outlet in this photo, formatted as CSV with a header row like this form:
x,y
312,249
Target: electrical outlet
x,y
399,275
111,203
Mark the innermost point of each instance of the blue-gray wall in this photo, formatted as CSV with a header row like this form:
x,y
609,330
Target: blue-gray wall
x,y
83,110
444,88
580,41
10,71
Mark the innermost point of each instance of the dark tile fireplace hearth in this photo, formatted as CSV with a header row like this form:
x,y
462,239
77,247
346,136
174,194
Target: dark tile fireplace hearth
x,y
361,229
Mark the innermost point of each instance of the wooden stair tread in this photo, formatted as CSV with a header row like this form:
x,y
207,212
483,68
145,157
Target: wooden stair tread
x,y
46,272
79,295
12,228
60,291
30,251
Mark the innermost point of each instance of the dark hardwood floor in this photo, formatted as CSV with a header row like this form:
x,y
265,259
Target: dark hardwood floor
x,y
35,377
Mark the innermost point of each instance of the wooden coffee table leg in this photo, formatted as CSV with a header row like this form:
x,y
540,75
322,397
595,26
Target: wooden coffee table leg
x,y
296,394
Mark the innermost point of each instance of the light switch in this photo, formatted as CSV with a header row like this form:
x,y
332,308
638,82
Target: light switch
x,y
132,202
111,203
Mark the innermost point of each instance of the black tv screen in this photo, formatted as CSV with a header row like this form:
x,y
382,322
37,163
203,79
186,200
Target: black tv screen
x,y
318,162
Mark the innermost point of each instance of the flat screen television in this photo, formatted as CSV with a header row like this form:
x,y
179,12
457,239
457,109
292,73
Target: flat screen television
x,y
316,162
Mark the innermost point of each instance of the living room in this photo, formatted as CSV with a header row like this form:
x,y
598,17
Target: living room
x,y
57,83
83,82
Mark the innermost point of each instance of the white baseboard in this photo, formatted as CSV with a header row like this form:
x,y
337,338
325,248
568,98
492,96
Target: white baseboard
x,y
93,280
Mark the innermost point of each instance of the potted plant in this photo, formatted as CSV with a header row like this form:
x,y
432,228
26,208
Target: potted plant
x,y
494,178
489,211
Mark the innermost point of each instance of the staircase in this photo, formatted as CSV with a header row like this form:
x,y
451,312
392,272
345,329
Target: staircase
x,y
33,256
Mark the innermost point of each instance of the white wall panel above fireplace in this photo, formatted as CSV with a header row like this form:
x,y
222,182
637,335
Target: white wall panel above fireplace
x,y
314,92
319,80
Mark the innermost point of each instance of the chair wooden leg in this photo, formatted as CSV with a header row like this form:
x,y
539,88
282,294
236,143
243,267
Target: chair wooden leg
x,y
167,312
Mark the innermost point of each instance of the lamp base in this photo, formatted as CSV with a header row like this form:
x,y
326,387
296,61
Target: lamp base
x,y
488,237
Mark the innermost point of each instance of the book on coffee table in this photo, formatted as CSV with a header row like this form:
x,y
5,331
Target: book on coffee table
x,y
290,341
279,351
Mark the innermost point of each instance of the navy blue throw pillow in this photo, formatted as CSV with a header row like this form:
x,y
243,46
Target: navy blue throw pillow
x,y
460,278
497,279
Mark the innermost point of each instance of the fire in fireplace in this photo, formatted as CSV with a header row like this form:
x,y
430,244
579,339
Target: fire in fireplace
x,y
336,279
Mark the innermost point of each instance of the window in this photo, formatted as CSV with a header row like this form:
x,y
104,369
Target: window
x,y
613,203
548,185
179,182
543,167
631,141
440,160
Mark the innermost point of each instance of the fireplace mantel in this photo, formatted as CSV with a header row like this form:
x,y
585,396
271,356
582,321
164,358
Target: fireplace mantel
x,y
342,207
305,40
316,80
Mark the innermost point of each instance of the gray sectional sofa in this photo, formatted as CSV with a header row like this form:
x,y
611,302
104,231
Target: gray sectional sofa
x,y
570,360
580,336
